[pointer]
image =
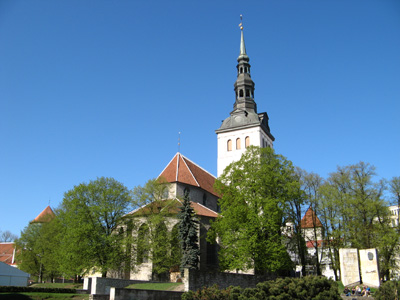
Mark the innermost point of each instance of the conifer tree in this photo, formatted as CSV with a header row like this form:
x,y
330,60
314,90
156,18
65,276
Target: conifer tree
x,y
188,227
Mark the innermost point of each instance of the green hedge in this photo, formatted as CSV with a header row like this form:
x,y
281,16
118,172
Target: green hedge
x,y
26,289
389,290
305,288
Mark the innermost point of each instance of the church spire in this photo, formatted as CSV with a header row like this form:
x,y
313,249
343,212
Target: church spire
x,y
244,86
244,126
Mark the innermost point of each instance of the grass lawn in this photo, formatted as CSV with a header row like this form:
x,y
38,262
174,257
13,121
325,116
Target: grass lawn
x,y
165,286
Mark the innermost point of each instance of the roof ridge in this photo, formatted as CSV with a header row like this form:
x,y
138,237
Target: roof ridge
x,y
168,164
198,166
191,173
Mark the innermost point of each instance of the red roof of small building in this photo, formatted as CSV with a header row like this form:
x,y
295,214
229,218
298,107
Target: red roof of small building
x,y
310,219
45,216
182,169
312,244
7,253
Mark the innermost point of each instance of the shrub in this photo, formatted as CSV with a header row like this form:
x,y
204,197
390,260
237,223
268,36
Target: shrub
x,y
305,288
389,290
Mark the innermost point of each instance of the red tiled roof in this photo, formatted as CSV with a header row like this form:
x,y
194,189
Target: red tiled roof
x,y
45,216
173,208
7,253
312,244
310,220
181,169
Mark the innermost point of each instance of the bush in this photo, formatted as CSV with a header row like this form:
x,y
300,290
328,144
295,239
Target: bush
x,y
305,288
389,290
25,289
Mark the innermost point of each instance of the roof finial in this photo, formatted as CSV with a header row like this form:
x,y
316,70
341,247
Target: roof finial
x,y
179,141
242,46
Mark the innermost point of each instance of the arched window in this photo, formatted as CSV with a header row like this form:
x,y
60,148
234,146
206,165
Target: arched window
x,y
143,247
229,145
238,143
241,70
247,93
245,69
241,93
247,141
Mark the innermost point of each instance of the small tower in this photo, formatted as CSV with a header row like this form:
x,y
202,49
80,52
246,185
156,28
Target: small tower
x,y
244,126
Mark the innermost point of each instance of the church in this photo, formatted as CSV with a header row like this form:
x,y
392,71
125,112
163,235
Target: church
x,y
242,128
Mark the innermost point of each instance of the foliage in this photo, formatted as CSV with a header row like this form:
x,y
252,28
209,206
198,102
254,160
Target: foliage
x,y
154,242
389,290
38,250
308,287
311,183
256,192
355,214
188,235
90,214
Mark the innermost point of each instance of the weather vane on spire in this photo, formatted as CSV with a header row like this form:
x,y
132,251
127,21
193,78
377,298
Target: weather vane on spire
x,y
241,22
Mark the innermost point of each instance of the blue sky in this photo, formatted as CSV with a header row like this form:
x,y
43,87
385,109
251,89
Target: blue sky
x,y
102,88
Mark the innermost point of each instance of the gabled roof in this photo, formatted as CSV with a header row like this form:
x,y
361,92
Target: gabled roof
x,y
183,170
173,206
45,216
7,253
310,220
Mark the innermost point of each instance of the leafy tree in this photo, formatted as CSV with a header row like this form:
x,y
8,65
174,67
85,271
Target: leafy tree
x,y
296,242
91,214
7,236
256,192
311,184
38,250
154,241
188,235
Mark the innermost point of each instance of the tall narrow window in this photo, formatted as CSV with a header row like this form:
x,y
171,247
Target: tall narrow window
x,y
229,145
247,93
241,70
238,143
241,93
247,141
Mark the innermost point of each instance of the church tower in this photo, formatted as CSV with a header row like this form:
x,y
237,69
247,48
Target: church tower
x,y
244,126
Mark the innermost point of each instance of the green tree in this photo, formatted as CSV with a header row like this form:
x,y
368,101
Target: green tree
x,y
38,250
311,184
91,214
188,235
256,192
154,241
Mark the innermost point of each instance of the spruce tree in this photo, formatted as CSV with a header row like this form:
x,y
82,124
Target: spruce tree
x,y
189,241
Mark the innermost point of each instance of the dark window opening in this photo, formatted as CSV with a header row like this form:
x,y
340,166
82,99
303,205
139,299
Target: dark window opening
x,y
241,93
247,93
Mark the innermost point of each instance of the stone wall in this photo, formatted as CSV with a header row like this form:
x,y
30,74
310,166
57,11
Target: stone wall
x,y
195,280
102,285
134,294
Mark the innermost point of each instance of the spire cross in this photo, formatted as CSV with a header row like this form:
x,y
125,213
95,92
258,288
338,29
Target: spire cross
x,y
179,141
241,22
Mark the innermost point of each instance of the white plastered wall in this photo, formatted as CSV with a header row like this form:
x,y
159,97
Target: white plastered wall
x,y
257,138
